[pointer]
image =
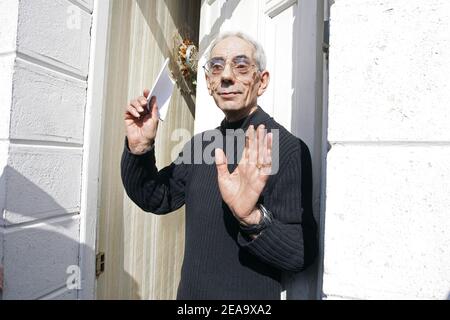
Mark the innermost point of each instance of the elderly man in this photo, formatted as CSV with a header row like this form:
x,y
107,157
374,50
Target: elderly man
x,y
246,221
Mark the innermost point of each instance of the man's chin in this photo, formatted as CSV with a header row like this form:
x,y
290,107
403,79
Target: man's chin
x,y
230,106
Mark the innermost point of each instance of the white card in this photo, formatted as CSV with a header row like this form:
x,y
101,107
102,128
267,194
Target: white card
x,y
162,89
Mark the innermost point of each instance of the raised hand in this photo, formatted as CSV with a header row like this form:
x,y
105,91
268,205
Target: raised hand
x,y
141,125
241,189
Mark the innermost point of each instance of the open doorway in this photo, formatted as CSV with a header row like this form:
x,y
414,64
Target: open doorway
x,y
143,252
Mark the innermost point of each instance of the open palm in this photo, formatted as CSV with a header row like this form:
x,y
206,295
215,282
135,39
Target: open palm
x,y
241,189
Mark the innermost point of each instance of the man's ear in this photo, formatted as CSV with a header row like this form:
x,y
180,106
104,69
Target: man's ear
x,y
208,84
263,82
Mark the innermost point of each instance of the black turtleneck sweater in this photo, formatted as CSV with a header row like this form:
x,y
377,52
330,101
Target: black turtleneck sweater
x,y
220,261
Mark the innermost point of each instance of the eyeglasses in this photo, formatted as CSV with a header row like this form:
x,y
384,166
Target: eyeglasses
x,y
241,67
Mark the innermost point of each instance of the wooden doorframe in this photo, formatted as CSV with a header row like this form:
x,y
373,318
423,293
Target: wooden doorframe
x,y
92,148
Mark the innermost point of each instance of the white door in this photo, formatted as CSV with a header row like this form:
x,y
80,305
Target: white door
x,y
291,32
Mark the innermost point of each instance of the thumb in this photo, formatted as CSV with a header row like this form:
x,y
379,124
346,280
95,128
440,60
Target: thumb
x,y
221,163
154,108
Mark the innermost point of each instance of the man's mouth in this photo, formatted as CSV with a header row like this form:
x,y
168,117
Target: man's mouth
x,y
229,93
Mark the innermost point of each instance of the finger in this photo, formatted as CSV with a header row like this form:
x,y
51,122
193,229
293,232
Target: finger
x,y
132,110
136,105
146,93
244,156
267,164
252,145
128,116
143,103
221,163
261,143
245,153
269,143
268,152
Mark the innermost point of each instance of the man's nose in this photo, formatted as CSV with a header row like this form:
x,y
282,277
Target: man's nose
x,y
227,74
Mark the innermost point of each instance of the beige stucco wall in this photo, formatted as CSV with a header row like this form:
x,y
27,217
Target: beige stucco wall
x,y
388,173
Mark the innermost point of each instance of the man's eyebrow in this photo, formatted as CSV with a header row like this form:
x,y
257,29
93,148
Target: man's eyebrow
x,y
242,56
217,59
239,57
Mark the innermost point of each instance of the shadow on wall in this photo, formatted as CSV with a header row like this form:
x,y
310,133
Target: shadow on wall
x,y
41,249
226,11
303,285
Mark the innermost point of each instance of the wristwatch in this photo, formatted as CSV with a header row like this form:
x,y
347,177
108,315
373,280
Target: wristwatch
x,y
256,229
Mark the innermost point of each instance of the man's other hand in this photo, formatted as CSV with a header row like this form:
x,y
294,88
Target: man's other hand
x,y
141,125
241,189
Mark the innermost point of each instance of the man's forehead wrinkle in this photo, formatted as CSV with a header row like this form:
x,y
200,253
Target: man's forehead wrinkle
x,y
232,49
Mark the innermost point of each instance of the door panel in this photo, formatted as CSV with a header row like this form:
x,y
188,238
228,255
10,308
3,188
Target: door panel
x,y
143,252
291,33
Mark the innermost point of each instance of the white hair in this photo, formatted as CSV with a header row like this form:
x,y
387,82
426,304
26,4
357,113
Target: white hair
x,y
259,55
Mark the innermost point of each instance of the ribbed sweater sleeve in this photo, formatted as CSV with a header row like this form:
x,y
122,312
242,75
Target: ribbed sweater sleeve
x,y
284,242
159,192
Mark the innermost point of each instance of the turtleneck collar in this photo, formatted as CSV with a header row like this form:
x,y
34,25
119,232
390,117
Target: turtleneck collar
x,y
256,118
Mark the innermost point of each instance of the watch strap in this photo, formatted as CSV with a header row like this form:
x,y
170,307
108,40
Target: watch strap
x,y
266,220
